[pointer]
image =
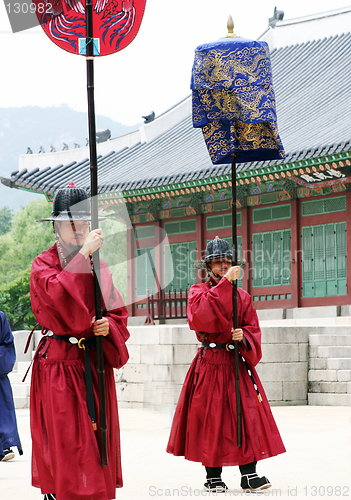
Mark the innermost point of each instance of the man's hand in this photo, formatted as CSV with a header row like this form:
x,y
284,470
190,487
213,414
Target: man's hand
x,y
237,334
101,327
92,243
233,273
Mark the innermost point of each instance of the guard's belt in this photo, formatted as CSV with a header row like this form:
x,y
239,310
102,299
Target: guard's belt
x,y
215,345
85,344
231,347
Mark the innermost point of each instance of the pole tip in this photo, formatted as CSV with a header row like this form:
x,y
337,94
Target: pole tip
x,y
230,26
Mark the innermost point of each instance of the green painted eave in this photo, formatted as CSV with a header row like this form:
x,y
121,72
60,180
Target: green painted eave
x,y
248,174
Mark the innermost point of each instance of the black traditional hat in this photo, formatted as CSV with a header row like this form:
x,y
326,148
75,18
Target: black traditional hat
x,y
70,204
217,249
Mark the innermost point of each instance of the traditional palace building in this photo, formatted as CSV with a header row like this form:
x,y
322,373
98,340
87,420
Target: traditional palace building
x,y
293,224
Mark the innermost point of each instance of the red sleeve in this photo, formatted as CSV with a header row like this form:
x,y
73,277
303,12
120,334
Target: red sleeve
x,y
60,299
210,309
251,328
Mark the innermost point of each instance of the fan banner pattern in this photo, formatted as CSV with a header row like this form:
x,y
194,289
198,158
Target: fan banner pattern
x,y
115,23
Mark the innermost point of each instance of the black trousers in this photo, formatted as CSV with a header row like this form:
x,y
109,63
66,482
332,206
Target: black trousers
x,y
215,472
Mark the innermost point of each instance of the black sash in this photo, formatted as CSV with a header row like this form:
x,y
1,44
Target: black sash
x,y
85,344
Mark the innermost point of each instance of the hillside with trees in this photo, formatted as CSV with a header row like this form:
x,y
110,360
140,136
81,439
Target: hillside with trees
x,y
38,127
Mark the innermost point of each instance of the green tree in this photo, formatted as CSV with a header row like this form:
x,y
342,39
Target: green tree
x,y
26,240
5,220
15,302
18,248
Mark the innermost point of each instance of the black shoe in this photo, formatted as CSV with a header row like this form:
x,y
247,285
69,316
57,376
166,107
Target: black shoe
x,y
8,455
254,483
216,485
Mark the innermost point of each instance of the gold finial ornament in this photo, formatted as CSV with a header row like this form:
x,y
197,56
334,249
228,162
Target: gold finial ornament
x,y
230,26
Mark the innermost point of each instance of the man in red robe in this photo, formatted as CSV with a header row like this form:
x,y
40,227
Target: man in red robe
x,y
66,462
205,420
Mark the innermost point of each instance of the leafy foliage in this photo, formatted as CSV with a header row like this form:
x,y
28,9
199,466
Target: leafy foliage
x,y
18,248
26,240
15,302
5,220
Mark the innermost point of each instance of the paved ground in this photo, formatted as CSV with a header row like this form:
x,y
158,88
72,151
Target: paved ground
x,y
317,463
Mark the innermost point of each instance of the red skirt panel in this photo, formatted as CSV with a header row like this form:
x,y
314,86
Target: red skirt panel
x,y
204,424
65,453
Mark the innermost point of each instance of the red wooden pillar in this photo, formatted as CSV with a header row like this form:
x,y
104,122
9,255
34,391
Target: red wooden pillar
x,y
200,243
348,246
159,233
248,243
245,247
130,270
299,251
296,256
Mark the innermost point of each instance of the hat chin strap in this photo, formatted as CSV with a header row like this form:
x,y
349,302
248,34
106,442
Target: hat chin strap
x,y
217,276
65,245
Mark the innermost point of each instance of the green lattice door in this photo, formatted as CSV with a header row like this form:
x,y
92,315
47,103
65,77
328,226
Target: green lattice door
x,y
324,260
271,263
179,270
145,271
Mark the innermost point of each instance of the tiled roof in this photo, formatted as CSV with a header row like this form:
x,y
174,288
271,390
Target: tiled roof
x,y
311,83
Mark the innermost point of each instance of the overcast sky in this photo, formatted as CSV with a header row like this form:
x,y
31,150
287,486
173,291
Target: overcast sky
x,y
151,74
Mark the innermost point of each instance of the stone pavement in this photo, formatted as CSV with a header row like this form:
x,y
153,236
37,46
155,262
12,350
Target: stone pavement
x,y
317,463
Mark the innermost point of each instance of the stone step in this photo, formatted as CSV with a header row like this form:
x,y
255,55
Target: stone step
x,y
332,352
329,399
16,377
330,339
324,328
317,363
344,375
21,402
338,363
20,390
22,366
334,387
329,375
323,375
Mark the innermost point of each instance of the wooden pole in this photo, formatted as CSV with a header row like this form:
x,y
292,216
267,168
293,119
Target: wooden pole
x,y
95,225
235,303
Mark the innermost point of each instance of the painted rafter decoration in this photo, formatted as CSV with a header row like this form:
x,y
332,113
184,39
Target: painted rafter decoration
x,y
276,172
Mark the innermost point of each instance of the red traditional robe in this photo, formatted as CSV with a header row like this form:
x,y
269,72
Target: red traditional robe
x,y
65,457
204,424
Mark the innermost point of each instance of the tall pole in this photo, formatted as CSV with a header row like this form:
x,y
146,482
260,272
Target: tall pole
x,y
95,225
235,303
